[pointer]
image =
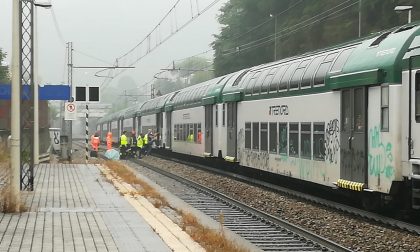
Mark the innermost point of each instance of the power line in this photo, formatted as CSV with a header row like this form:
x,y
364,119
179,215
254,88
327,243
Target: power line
x,y
265,22
131,58
92,57
269,38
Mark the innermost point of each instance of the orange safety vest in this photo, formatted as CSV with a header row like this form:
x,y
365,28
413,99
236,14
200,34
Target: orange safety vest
x,y
95,143
109,140
199,137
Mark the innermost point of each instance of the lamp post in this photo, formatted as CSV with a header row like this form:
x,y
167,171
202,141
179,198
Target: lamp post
x,y
275,36
36,84
402,8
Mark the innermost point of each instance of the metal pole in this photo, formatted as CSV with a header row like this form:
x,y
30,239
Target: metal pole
x,y
87,133
36,93
409,16
15,109
70,82
275,38
360,18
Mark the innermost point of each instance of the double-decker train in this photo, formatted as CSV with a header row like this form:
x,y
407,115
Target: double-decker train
x,y
346,117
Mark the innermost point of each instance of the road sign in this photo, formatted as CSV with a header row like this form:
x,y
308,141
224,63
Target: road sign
x,y
70,111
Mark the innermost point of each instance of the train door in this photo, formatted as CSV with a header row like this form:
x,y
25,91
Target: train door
x,y
415,119
139,125
231,128
209,129
168,129
353,139
159,126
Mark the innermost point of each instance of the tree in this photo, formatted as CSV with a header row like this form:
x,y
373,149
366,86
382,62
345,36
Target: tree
x,y
247,35
186,73
4,69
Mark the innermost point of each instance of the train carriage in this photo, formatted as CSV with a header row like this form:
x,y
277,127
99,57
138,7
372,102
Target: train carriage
x,y
346,117
152,117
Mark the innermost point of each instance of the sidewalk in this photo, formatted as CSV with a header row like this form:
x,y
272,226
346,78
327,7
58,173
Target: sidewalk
x,y
74,209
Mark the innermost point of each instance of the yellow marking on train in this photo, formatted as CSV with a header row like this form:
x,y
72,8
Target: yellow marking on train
x,y
346,184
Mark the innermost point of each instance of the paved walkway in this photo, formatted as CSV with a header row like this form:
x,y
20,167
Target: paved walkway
x,y
74,209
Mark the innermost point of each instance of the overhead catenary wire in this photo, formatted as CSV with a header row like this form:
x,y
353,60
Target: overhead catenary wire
x,y
131,60
262,41
236,36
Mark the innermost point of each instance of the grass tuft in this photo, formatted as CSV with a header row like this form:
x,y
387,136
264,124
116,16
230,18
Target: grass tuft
x,y
6,205
210,240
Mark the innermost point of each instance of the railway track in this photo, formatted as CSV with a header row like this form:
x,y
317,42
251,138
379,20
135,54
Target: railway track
x,y
415,229
263,230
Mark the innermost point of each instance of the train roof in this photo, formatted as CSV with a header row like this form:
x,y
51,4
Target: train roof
x,y
371,60
133,110
155,105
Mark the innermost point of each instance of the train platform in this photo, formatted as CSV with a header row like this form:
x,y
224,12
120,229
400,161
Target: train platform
x,y
73,208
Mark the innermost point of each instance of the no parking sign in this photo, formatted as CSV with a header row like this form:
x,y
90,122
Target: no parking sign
x,y
70,111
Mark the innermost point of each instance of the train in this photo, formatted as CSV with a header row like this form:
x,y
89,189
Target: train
x,y
346,117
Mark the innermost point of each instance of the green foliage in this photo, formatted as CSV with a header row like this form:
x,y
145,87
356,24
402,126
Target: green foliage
x,y
186,73
247,35
4,69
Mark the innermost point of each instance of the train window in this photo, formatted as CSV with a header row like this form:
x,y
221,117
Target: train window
x,y
346,111
294,139
321,73
195,132
359,118
217,115
230,115
186,130
379,39
305,140
267,81
385,108
246,80
319,138
323,69
191,135
255,136
297,76
247,135
283,138
277,77
310,71
176,133
236,82
199,136
341,60
251,83
286,77
273,137
417,97
264,137
258,85
223,115
181,132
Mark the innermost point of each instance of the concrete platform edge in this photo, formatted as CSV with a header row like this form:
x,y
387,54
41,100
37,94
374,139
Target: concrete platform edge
x,y
203,219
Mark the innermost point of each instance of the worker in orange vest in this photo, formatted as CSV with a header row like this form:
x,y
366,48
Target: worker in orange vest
x,y
109,140
199,137
95,141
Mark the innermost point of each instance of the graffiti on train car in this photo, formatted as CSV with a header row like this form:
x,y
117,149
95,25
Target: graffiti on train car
x,y
278,110
332,141
249,157
380,159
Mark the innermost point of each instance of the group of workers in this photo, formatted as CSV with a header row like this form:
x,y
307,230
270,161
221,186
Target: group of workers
x,y
137,146
129,146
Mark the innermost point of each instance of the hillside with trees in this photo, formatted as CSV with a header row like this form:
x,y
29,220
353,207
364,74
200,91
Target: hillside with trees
x,y
4,69
249,27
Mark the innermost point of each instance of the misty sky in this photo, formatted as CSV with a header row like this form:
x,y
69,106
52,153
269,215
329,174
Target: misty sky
x,y
107,29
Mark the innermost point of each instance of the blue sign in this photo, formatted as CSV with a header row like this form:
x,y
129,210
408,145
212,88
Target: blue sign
x,y
46,92
54,92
